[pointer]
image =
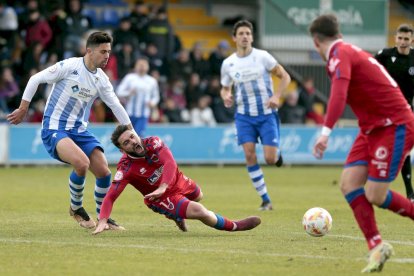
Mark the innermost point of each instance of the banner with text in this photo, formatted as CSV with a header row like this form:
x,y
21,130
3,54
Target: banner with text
x,y
203,145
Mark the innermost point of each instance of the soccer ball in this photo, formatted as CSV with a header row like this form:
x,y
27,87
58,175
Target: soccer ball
x,y
317,222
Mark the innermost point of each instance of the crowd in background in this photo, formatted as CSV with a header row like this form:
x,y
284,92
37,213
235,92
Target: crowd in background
x,y
35,34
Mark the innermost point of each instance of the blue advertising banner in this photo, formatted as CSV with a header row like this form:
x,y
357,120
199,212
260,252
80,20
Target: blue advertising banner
x,y
204,145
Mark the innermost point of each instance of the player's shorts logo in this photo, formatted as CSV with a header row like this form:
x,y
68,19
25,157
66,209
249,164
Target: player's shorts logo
x,y
381,153
411,71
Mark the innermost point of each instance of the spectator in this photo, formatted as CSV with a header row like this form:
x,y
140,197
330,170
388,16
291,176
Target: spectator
x,y
217,57
139,19
200,64
202,115
77,25
38,30
173,113
155,61
8,89
307,100
176,93
126,58
8,30
221,113
193,91
160,33
57,22
291,112
181,67
124,34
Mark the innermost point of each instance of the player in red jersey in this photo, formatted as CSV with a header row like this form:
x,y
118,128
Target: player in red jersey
x,y
148,165
386,132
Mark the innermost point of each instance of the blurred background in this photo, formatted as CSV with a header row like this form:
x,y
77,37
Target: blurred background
x,y
185,42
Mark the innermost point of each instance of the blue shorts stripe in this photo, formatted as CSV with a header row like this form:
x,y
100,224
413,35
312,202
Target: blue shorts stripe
x,y
387,201
354,194
356,163
398,151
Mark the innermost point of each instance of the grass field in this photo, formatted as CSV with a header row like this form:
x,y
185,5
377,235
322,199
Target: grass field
x,y
38,237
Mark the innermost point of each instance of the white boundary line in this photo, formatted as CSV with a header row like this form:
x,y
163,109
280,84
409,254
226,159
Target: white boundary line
x,y
198,250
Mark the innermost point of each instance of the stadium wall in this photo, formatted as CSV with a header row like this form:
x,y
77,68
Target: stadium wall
x,y
190,145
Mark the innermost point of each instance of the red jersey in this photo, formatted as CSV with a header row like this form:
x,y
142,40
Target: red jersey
x,y
359,80
144,173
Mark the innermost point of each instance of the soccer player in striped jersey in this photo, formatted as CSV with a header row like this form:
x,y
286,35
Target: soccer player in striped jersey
x,y
149,166
141,92
385,138
249,71
77,82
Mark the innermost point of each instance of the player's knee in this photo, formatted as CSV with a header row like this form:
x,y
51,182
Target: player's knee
x,y
198,211
270,160
81,166
199,197
375,198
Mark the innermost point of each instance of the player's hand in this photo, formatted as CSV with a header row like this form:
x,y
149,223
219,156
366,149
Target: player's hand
x,y
102,226
273,102
228,100
320,146
157,193
17,116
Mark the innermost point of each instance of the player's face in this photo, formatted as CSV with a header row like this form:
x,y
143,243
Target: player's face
x,y
243,37
131,143
141,66
100,55
403,41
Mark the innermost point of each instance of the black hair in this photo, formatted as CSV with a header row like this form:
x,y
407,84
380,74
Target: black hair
x,y
117,133
97,38
405,28
242,23
325,27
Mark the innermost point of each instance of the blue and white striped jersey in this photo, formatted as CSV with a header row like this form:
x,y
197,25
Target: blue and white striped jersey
x,y
141,92
74,90
252,81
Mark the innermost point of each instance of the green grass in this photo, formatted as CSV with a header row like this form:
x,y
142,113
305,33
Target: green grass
x,y
38,237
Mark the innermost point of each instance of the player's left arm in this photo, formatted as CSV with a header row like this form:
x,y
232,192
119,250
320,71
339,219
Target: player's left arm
x,y
109,97
284,77
169,169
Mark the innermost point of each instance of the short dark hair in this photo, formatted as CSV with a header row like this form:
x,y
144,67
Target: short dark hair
x,y
97,38
405,28
325,27
242,23
117,133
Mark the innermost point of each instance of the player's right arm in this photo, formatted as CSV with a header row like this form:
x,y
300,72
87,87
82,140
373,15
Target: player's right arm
x,y
50,75
227,96
114,192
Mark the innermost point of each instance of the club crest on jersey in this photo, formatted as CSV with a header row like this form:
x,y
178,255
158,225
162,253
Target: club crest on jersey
x,y
411,71
333,62
381,153
96,79
75,89
154,158
155,176
118,176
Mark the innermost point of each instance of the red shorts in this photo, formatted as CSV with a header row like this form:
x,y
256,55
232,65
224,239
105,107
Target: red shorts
x,y
173,204
383,150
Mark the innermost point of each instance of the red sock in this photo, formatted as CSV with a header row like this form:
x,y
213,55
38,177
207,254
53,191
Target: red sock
x,y
399,204
224,223
365,216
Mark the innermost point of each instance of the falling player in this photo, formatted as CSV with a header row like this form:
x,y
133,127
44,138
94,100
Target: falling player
x,y
148,165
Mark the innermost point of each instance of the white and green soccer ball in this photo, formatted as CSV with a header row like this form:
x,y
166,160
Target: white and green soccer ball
x,y
317,222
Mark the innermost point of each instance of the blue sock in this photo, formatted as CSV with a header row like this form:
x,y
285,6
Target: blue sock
x,y
257,178
76,186
101,188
